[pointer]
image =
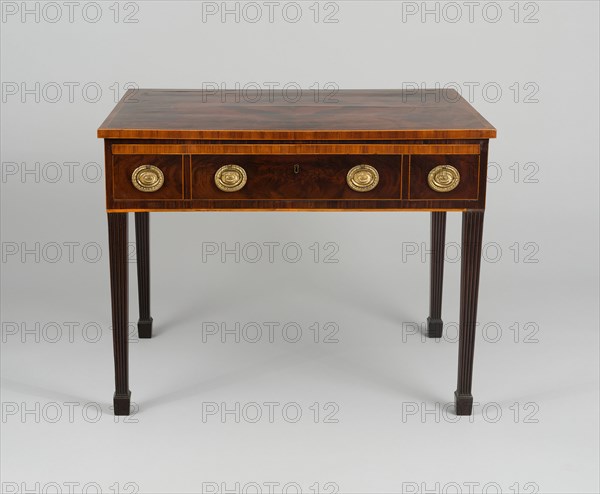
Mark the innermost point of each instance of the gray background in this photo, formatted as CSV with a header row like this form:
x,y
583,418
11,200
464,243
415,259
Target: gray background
x,y
375,397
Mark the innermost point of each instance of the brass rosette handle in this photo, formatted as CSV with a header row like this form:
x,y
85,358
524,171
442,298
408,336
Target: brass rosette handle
x,y
147,178
443,178
230,178
362,178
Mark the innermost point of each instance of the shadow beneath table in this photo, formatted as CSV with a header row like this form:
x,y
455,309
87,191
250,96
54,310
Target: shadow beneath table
x,y
53,395
351,369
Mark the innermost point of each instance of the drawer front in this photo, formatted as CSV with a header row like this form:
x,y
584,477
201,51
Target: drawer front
x,y
159,176
453,177
274,177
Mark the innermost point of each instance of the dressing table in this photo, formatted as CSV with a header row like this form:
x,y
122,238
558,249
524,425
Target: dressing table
x,y
356,150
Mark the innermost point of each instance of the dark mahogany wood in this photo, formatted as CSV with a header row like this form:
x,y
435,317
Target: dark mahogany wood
x,y
142,249
420,166
438,244
296,155
119,265
320,185
124,165
347,114
472,233
302,177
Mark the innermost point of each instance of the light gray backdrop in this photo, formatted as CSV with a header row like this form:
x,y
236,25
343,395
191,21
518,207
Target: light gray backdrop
x,y
306,371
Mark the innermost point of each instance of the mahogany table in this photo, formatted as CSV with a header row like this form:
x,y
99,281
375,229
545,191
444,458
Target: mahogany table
x,y
364,150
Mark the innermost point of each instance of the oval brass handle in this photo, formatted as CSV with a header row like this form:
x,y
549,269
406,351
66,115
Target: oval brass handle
x,y
230,178
443,178
147,178
362,178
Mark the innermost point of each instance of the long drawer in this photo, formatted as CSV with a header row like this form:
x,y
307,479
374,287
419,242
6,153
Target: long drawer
x,y
296,177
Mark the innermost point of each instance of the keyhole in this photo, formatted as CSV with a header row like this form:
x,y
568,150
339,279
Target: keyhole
x,y
296,168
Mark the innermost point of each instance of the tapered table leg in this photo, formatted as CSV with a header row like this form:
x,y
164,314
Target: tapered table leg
x,y
117,246
472,232
142,247
438,243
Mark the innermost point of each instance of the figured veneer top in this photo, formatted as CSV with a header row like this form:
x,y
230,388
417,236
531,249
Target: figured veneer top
x,y
249,115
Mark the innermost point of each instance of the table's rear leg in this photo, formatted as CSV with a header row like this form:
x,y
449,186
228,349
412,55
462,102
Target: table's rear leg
x,y
472,232
142,247
438,243
117,246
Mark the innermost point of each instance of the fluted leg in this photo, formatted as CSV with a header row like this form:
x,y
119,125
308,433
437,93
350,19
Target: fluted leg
x,y
142,247
117,246
438,243
472,232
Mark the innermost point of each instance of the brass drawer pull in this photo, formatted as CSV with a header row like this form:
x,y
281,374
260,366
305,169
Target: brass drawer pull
x,y
147,178
230,178
362,178
443,178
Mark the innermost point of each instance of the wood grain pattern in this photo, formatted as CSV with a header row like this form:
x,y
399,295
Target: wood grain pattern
x,y
295,149
296,156
180,179
420,165
351,114
312,205
305,205
124,165
289,177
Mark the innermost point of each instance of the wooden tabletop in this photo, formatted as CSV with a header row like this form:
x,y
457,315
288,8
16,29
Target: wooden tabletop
x,y
271,115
